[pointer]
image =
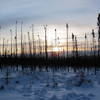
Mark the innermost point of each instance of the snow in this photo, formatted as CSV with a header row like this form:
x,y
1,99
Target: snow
x,y
28,84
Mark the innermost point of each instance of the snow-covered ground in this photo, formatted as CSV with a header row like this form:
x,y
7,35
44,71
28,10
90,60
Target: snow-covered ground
x,y
18,84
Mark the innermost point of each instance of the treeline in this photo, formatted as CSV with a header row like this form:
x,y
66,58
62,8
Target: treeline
x,y
34,52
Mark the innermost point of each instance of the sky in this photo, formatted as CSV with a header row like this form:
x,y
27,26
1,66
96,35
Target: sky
x,y
81,15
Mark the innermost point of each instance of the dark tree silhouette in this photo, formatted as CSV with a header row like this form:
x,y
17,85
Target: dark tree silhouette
x,y
93,41
3,47
98,23
76,47
46,46
67,40
21,38
30,52
16,38
11,41
73,44
85,45
0,40
34,45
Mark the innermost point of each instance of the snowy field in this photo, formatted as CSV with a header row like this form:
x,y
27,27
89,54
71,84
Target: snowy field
x,y
28,84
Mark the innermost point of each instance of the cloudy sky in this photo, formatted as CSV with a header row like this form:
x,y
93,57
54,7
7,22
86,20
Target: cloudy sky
x,y
80,14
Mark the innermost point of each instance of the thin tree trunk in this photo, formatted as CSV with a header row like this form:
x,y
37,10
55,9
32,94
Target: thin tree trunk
x,y
11,41
67,40
46,53
29,44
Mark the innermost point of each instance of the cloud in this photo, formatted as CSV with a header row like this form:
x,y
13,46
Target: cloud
x,y
77,12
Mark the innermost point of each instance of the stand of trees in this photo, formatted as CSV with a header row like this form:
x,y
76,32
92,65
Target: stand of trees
x,y
32,50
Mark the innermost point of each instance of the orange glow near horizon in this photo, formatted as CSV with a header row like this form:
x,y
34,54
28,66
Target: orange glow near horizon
x,y
56,49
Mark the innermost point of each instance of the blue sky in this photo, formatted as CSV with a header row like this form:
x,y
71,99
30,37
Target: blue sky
x,y
49,11
80,14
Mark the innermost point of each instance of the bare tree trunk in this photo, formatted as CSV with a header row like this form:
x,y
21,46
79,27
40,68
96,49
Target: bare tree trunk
x,y
21,39
34,48
0,40
93,41
39,44
67,40
85,50
73,44
76,47
11,41
3,47
46,53
16,37
98,34
29,44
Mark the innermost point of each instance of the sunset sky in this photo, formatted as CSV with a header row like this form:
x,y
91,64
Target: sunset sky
x,y
81,15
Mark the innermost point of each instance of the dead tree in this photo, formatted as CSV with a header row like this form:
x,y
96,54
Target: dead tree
x,y
11,41
24,46
98,23
93,41
46,53
34,49
29,44
58,46
21,38
0,40
85,47
76,47
6,48
87,44
73,44
67,40
55,37
3,47
39,45
16,37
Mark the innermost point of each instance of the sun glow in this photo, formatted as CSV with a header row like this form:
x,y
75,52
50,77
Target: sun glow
x,y
56,49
